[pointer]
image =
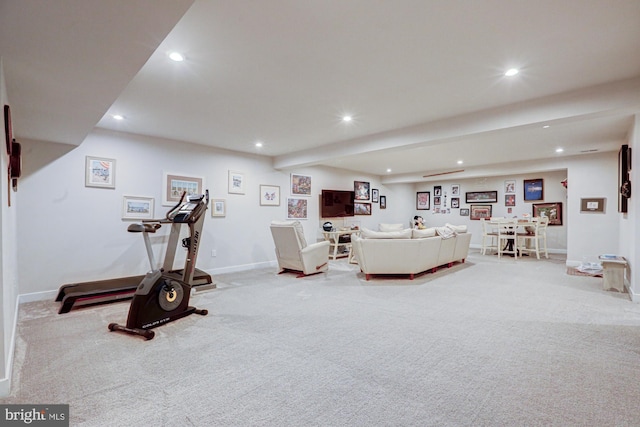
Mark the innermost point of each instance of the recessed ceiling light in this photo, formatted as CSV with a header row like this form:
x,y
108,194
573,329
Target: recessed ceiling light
x,y
546,127
258,144
511,72
118,117
559,150
176,56
347,118
460,162
388,170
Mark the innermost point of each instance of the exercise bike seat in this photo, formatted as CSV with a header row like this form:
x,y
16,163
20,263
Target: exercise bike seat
x,y
144,228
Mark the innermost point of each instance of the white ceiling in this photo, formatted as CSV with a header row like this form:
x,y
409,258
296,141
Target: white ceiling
x,y
423,79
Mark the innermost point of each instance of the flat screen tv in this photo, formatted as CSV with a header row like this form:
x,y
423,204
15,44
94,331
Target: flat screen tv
x,y
336,203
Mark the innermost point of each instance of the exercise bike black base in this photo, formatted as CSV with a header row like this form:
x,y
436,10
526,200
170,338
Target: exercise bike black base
x,y
159,299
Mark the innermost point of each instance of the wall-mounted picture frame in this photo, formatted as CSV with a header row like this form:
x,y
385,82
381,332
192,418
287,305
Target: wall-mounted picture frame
x,y
134,207
175,185
533,190
481,197
236,182
300,185
593,205
218,207
509,199
624,182
510,186
100,172
297,208
464,212
455,190
455,203
362,190
383,202
362,208
269,195
553,211
374,195
437,190
480,211
437,200
423,200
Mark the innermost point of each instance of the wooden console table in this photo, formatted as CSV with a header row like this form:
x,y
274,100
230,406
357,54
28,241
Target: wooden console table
x,y
333,237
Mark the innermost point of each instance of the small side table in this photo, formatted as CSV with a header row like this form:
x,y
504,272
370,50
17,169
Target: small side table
x,y
333,237
614,269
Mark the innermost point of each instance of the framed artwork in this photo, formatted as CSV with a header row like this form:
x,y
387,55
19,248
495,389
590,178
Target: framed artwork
x,y
533,190
218,207
176,185
510,187
269,195
455,190
437,200
481,197
509,199
383,202
362,190
297,208
437,191
374,195
593,204
624,181
137,207
464,212
455,202
236,182
480,211
362,208
300,185
100,172
423,200
553,211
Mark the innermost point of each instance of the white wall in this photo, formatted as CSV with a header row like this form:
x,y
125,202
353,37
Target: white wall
x,y
75,233
553,192
8,258
592,234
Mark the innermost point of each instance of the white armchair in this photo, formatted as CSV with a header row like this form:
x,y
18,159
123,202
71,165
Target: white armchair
x,y
294,254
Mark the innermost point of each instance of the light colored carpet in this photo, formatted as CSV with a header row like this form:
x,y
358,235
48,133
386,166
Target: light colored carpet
x,y
486,343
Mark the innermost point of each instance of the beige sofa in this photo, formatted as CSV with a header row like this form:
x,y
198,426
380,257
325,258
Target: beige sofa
x,y
410,251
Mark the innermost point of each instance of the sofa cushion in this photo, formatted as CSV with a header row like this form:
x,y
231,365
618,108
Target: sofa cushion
x,y
370,234
445,232
421,234
457,228
390,227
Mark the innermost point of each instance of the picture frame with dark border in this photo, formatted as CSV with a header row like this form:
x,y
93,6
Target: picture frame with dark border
x,y
553,211
383,202
464,212
481,196
480,211
374,195
362,190
423,200
362,208
533,190
593,204
509,199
